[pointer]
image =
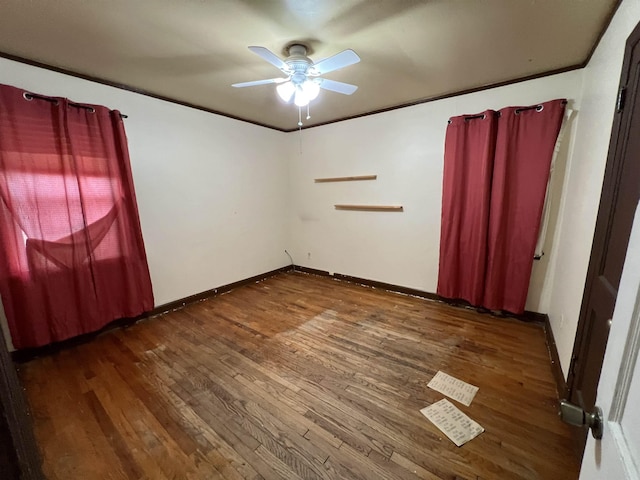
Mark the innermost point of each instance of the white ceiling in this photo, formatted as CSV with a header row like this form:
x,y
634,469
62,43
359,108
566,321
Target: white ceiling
x,y
191,51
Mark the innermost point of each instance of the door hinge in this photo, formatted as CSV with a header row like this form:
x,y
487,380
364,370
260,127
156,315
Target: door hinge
x,y
574,360
622,96
572,367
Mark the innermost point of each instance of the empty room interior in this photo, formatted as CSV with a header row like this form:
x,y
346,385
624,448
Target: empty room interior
x,y
316,239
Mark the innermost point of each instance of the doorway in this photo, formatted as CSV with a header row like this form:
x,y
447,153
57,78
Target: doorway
x,y
619,197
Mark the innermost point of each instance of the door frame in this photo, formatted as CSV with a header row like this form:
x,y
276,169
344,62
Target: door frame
x,y
619,134
17,417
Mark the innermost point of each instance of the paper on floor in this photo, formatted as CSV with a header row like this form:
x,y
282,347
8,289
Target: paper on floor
x,y
461,391
452,422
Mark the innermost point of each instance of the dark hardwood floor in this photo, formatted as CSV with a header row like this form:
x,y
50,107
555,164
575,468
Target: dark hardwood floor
x,y
299,377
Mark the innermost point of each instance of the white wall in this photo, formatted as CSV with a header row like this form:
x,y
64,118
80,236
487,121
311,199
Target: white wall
x,y
405,148
211,191
584,180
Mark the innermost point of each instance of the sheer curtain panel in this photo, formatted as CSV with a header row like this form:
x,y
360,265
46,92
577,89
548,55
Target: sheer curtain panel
x,y
72,256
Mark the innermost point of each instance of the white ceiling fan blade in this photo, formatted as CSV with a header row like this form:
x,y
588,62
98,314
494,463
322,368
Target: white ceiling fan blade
x,y
259,82
339,60
340,87
270,57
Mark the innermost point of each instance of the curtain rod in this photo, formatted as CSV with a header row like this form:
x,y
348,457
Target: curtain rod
x,y
537,107
31,96
532,107
472,117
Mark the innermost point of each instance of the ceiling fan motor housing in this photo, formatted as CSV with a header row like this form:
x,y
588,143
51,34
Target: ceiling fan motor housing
x,y
298,63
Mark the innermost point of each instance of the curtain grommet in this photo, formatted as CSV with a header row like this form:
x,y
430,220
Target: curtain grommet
x,y
27,96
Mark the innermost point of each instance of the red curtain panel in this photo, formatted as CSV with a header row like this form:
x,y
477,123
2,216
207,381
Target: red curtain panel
x,y
72,256
468,167
525,141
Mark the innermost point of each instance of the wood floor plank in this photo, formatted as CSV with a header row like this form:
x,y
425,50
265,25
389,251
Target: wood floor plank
x,y
299,377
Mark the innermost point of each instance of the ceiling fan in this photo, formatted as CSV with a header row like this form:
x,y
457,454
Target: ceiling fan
x,y
302,82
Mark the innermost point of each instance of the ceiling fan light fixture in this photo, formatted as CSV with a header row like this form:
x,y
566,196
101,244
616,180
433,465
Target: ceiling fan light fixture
x,y
306,92
286,91
311,89
301,99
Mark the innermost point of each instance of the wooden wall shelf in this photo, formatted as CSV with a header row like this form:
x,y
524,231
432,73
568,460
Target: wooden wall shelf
x,y
371,208
346,179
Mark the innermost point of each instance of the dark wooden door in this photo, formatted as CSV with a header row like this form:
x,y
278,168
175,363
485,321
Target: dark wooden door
x,y
618,201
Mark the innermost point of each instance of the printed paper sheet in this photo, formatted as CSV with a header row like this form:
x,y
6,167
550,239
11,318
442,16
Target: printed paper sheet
x,y
461,391
452,422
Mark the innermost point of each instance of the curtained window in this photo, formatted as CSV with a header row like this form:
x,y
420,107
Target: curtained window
x,y
496,170
72,257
